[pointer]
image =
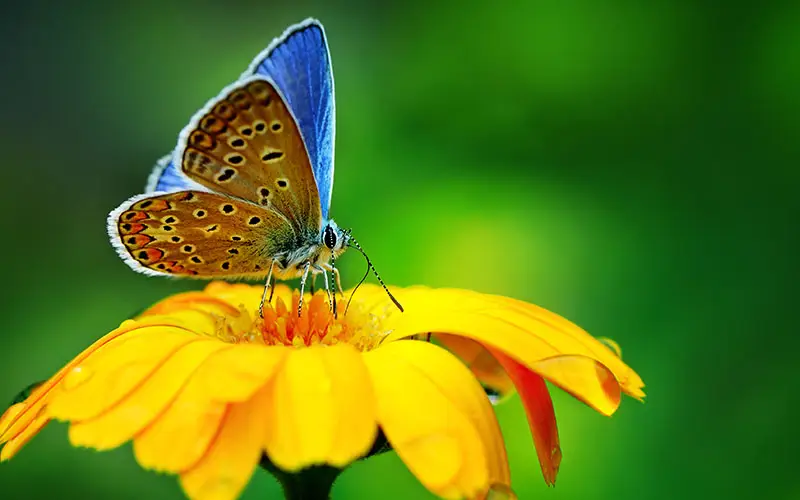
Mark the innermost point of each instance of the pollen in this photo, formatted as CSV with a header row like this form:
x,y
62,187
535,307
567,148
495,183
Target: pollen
x,y
316,325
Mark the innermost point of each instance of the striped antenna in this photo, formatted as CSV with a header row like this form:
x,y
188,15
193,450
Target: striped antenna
x,y
355,244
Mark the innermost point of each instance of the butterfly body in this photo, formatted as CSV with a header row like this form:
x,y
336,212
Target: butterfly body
x,y
313,252
246,192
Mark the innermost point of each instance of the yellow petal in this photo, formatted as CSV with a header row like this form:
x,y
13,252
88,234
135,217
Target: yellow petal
x,y
13,445
247,296
179,437
322,410
524,331
191,300
232,457
112,372
470,400
12,413
32,407
146,402
437,418
238,294
236,373
584,378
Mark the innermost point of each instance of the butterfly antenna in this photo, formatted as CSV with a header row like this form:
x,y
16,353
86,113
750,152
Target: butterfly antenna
x,y
355,244
363,279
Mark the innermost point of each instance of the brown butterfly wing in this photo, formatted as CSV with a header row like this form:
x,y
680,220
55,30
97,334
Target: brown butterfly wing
x,y
247,144
198,234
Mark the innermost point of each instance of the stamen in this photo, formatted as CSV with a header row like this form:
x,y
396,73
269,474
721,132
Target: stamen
x,y
316,325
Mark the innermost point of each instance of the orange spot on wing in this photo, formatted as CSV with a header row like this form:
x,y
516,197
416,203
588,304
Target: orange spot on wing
x,y
149,255
182,196
224,110
202,140
212,124
159,206
241,99
174,267
133,216
131,228
137,241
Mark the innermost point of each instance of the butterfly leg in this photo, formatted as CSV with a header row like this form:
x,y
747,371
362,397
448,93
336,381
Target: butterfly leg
x,y
306,269
266,286
338,279
331,296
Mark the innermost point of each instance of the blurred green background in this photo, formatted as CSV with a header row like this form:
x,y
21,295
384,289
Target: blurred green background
x,y
630,165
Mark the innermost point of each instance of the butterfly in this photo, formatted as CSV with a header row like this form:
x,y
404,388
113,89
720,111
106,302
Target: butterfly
x,y
247,190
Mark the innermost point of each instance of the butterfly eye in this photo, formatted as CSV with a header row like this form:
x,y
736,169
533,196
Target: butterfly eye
x,y
329,237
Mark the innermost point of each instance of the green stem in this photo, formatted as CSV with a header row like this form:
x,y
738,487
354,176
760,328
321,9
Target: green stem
x,y
313,483
316,483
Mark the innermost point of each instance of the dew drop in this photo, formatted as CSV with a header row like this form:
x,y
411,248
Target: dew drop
x,y
500,492
615,348
76,378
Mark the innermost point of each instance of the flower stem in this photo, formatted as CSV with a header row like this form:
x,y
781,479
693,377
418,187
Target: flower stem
x,y
313,483
316,482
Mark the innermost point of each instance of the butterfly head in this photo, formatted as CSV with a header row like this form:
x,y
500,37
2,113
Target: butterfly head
x,y
336,239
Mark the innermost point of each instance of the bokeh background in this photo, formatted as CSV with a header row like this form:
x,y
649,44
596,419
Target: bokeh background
x,y
630,165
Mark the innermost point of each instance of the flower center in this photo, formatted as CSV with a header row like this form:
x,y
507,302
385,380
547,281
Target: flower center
x,y
316,324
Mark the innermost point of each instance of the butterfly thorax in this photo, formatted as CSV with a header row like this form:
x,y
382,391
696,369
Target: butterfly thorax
x,y
317,252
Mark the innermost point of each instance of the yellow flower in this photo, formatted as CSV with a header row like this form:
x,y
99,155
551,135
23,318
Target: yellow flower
x,y
204,387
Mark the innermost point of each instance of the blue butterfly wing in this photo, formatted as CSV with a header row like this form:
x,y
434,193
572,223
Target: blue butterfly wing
x,y
166,177
299,63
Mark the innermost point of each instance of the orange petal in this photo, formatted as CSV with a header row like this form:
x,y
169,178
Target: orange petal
x,y
179,437
322,409
146,402
232,457
538,405
480,361
437,418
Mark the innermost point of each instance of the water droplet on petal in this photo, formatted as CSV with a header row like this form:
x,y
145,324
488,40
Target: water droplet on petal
x,y
615,348
75,378
500,492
